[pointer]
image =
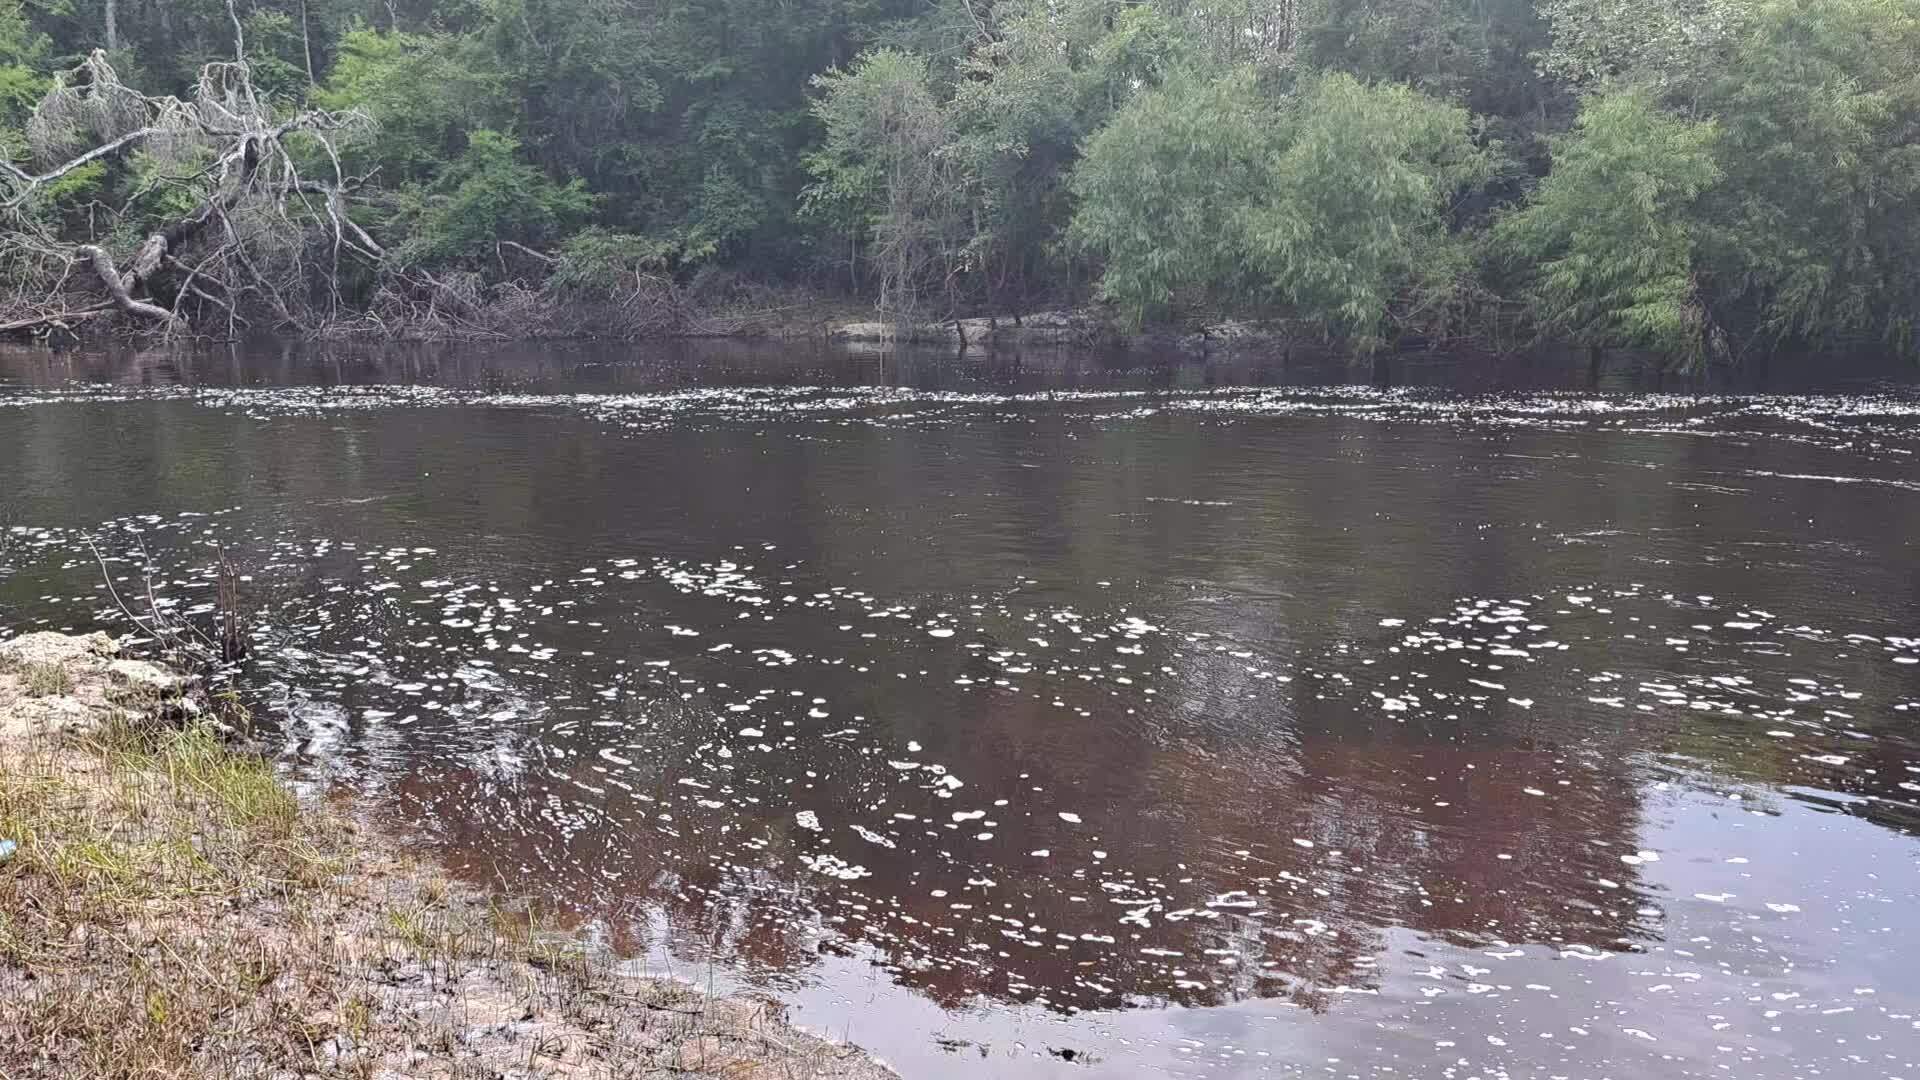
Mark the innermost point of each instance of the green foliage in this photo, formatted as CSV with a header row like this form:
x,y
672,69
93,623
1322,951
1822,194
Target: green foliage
x,y
1691,174
887,167
489,195
1608,245
1659,42
69,191
1819,238
1026,100
424,92
1354,218
1260,34
1164,190
159,190
22,53
1791,219
600,261
1335,200
275,51
1478,53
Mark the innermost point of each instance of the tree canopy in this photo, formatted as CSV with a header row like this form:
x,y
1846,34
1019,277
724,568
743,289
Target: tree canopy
x,y
1707,179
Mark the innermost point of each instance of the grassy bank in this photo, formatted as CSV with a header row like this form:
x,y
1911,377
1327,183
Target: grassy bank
x,y
170,908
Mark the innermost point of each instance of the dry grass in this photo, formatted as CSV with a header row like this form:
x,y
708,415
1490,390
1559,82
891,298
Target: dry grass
x,y
174,911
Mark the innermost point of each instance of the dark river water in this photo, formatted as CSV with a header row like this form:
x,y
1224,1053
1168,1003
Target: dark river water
x,y
1070,718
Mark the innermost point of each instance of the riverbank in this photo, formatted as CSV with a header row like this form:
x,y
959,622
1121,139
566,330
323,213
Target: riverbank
x,y
512,313
168,907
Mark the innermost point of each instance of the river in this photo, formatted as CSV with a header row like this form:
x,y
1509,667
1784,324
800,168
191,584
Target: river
x,y
1059,717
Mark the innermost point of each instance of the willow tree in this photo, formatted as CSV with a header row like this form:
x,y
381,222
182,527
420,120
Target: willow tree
x,y
253,224
1335,201
1162,190
1608,248
1819,213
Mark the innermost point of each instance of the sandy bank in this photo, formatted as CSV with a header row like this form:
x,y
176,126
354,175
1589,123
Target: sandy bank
x,y
169,908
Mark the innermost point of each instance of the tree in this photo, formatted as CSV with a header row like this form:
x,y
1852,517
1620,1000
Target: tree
x,y
1654,42
1355,222
1161,193
1334,200
245,236
1262,34
1818,111
888,168
22,51
424,93
489,196
1049,76
1477,53
1607,248
1333,161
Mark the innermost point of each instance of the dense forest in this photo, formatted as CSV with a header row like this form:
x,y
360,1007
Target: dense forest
x,y
1709,180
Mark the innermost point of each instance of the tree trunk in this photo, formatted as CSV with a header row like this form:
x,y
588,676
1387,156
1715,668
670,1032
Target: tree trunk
x,y
306,41
113,26
102,264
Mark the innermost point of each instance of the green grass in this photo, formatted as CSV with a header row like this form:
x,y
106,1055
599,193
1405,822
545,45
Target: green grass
x,y
46,680
174,911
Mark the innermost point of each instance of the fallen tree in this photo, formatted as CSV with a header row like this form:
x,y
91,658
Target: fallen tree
x,y
261,243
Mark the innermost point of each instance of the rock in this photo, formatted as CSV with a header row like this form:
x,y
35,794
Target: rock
x,y
138,677
1038,328
101,685
47,647
1054,328
7,848
881,331
27,717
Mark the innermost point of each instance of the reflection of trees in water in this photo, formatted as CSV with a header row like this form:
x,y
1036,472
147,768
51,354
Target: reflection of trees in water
x,y
1405,829
1418,805
1315,538
1221,785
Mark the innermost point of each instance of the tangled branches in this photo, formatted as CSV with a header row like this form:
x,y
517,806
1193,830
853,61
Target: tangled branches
x,y
179,639
415,303
260,241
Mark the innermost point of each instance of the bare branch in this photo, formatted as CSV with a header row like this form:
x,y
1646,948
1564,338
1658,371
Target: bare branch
x,y
30,182
243,173
123,299
525,250
239,35
56,317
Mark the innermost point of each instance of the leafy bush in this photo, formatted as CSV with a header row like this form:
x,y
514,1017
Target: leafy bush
x,y
488,195
1334,200
1606,248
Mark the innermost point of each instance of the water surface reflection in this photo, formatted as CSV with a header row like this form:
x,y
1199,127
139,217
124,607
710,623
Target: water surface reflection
x,y
1069,720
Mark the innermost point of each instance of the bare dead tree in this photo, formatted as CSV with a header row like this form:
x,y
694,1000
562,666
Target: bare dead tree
x,y
258,238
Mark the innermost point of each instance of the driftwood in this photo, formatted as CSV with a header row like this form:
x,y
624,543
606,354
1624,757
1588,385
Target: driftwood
x,y
55,318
